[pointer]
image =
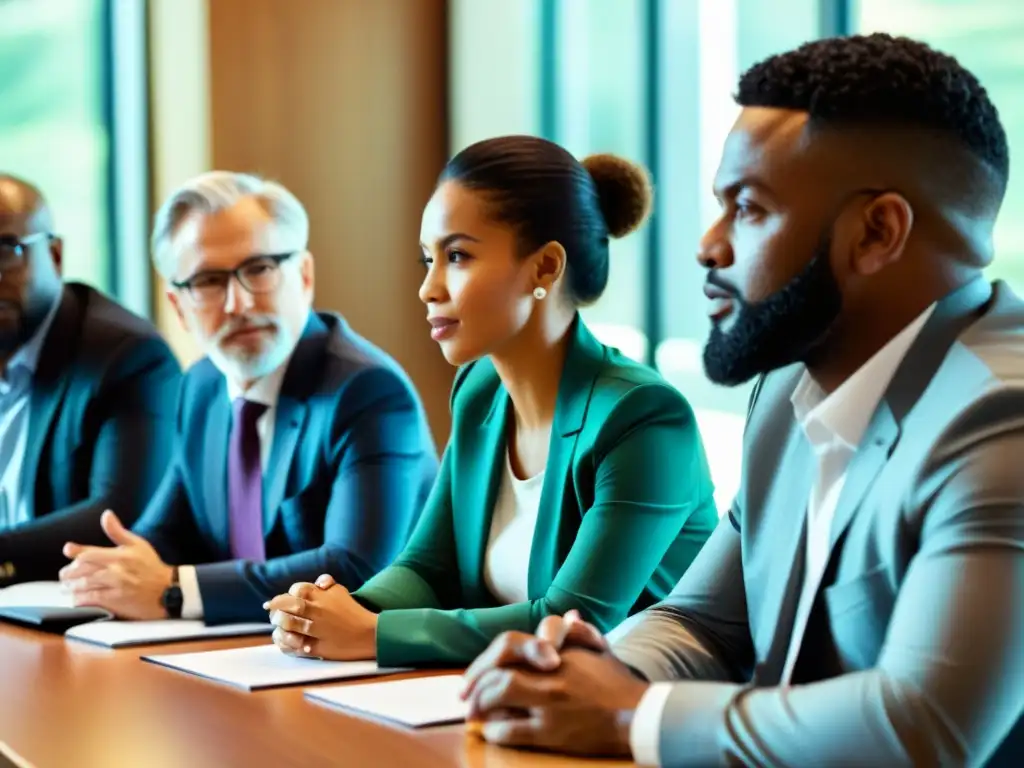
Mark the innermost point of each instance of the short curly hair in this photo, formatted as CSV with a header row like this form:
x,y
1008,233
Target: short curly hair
x,y
881,80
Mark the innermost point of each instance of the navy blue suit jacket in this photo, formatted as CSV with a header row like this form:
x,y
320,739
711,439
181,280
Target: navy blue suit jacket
x,y
101,423
350,467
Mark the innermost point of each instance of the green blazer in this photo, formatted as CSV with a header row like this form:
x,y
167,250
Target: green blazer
x,y
625,506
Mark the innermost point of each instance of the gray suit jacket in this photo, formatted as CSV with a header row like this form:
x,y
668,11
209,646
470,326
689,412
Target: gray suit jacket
x,y
914,652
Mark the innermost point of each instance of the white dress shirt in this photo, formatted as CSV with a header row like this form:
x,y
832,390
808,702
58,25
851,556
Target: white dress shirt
x,y
266,391
15,394
834,426
507,560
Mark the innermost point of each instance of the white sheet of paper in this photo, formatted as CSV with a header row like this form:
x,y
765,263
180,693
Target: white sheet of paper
x,y
118,634
264,666
418,702
36,594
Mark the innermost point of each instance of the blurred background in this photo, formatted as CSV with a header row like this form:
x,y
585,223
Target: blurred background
x,y
356,104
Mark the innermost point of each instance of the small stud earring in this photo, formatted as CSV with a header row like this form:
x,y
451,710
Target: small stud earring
x,y
539,292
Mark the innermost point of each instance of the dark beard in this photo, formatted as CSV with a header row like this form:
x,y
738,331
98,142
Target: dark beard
x,y
783,329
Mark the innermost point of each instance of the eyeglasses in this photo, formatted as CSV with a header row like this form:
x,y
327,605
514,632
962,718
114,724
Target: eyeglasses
x,y
258,275
12,249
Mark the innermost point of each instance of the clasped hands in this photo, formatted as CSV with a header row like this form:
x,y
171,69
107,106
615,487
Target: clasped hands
x,y
560,690
322,620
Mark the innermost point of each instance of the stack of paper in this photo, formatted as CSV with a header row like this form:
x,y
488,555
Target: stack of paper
x,y
118,634
265,666
415,703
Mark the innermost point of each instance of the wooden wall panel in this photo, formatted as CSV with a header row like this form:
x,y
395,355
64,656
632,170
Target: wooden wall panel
x,y
344,102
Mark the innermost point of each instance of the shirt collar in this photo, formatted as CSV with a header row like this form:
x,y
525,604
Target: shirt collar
x,y
265,390
844,415
27,355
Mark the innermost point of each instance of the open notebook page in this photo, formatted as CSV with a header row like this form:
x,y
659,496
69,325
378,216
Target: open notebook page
x,y
265,666
415,703
118,634
36,594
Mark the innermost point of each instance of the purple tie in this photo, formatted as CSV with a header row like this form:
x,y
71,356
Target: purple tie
x,y
245,483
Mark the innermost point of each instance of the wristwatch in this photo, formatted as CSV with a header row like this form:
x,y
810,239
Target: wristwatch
x,y
171,598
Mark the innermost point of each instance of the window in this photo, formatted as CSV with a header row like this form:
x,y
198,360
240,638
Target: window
x,y
705,45
574,72
599,49
986,36
494,75
54,128
72,85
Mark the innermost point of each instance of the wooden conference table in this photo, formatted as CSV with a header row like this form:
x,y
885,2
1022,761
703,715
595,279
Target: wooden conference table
x,y
66,703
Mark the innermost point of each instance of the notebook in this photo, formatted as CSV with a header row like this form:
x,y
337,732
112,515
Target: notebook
x,y
45,605
120,634
414,703
265,666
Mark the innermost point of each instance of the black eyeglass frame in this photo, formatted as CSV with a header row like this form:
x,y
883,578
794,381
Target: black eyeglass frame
x,y
277,259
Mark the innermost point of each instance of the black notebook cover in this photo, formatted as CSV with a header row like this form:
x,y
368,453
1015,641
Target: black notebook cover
x,y
51,619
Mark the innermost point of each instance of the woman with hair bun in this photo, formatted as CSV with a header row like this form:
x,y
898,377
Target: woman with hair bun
x,y
575,478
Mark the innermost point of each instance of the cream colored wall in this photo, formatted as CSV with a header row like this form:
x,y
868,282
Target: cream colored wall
x,y
343,101
180,121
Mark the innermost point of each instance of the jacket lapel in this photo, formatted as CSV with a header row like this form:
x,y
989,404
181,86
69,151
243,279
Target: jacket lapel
x,y
555,531
477,490
875,448
288,421
50,382
46,396
951,317
303,372
779,560
549,532
214,469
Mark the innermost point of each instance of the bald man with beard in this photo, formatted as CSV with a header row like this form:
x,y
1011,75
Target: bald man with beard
x,y
87,398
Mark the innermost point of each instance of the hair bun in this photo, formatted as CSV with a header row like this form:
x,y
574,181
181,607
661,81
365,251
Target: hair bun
x,y
624,191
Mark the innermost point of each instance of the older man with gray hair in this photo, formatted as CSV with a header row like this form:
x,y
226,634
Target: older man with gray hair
x,y
301,449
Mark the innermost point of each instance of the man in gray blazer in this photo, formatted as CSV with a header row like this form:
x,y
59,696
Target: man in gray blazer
x,y
862,603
